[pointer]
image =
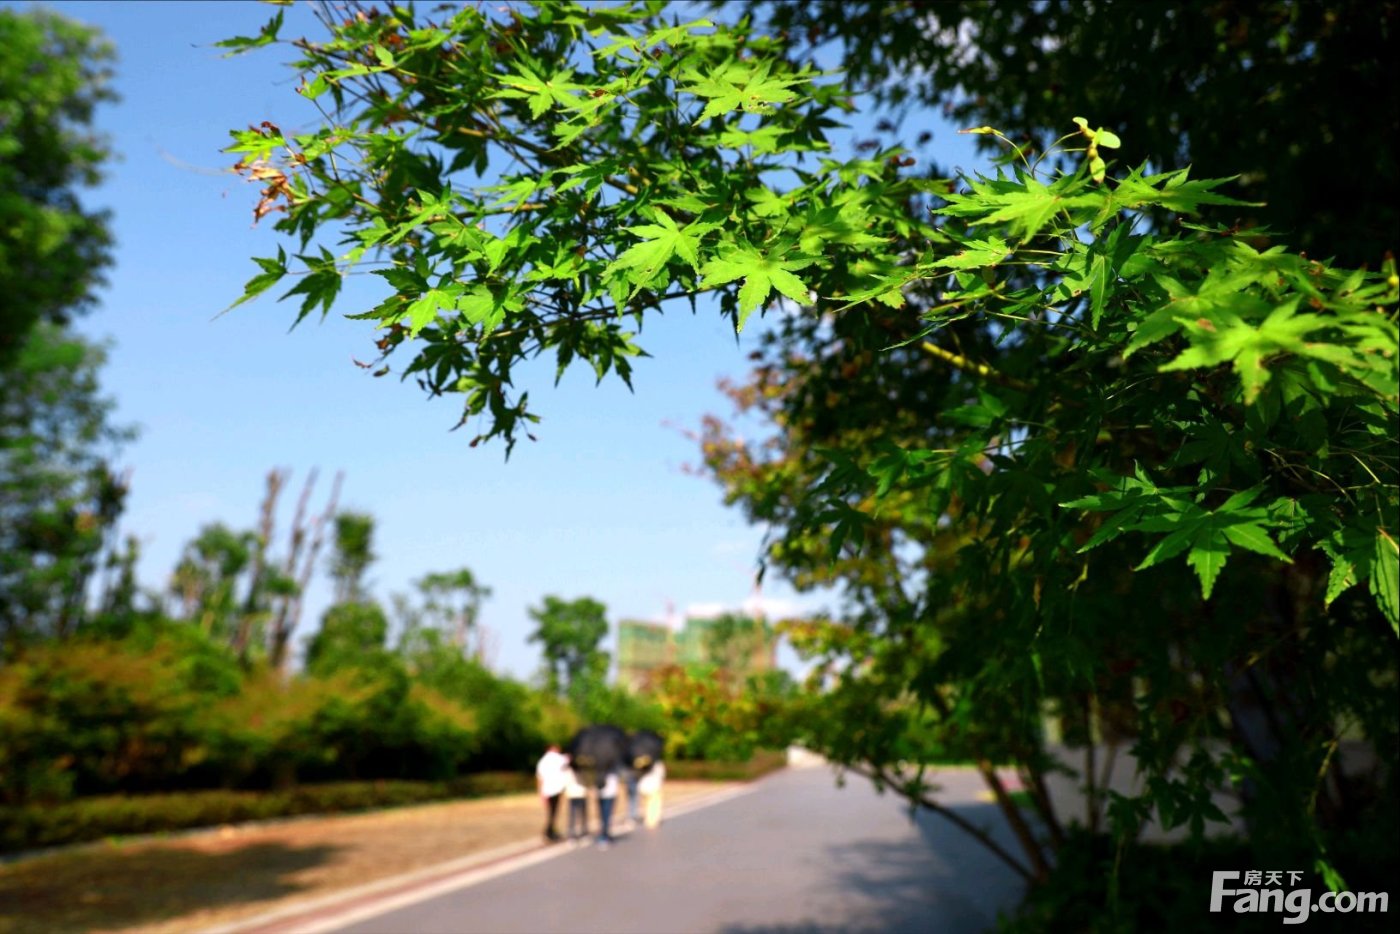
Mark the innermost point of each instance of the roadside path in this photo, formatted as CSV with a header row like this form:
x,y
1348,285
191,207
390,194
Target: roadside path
x,y
191,880
790,853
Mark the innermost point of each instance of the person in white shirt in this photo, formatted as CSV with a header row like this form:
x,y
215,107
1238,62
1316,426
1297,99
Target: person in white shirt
x,y
577,796
649,787
607,797
550,780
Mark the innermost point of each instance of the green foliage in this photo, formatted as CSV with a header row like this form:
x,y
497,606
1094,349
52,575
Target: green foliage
x,y
353,553
1121,397
53,75
92,715
1199,304
570,633
210,578
1098,889
1068,445
539,180
1288,96
352,635
168,706
710,714
599,702
510,723
58,497
449,608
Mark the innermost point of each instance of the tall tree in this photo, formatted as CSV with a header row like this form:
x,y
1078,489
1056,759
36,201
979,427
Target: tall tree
x,y
352,552
570,634
236,588
354,630
452,604
212,571
54,73
306,538
58,497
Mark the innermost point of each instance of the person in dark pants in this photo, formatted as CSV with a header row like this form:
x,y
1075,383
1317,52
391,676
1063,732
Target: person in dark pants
x,y
550,778
607,797
577,796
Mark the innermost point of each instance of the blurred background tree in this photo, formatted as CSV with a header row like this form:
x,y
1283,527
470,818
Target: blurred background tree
x,y
570,634
54,74
59,497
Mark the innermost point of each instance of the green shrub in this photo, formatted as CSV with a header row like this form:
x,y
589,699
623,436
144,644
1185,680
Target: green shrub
x,y
90,716
165,709
486,784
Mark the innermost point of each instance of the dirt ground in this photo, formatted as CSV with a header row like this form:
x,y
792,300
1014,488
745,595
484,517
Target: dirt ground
x,y
184,883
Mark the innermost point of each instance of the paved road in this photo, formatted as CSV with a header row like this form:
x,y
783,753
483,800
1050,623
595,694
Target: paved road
x,y
794,854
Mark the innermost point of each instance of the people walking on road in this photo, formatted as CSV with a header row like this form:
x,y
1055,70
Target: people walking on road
x,y
577,796
650,787
607,797
644,749
550,780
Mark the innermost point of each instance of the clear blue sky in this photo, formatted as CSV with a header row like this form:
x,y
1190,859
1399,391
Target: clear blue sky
x,y
599,506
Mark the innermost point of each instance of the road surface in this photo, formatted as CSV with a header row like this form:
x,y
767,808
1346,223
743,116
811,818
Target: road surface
x,y
791,854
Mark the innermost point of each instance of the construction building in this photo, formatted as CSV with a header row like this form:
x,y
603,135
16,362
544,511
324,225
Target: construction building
x,y
643,647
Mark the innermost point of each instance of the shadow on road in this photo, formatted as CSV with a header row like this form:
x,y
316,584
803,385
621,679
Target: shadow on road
x,y
67,892
941,880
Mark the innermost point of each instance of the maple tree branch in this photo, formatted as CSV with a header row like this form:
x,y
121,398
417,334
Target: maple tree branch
x,y
977,369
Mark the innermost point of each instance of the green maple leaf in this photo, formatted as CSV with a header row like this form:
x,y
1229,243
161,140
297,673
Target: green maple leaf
x,y
739,86
424,310
273,271
1171,190
1025,205
540,93
761,275
1353,553
1209,552
1252,537
975,254
1246,347
488,307
1385,577
1209,536
764,140
1341,577
665,239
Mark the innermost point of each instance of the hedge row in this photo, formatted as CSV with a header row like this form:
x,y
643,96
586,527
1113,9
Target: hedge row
x,y
35,826
760,764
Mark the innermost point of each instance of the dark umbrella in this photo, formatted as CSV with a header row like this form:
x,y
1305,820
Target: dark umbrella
x,y
595,751
645,747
